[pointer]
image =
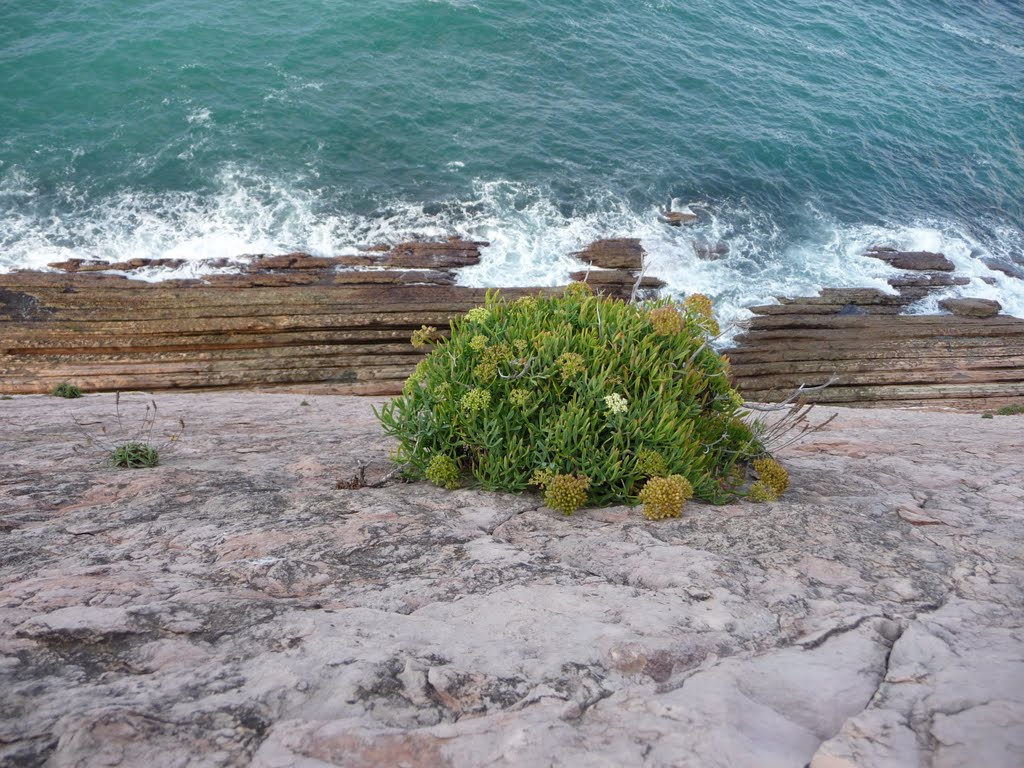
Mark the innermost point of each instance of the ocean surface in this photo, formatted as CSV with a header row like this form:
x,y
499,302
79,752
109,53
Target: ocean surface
x,y
802,132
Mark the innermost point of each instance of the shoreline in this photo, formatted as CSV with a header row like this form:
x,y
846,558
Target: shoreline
x,y
342,324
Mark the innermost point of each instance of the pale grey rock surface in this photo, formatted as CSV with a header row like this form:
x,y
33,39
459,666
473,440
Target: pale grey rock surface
x,y
233,606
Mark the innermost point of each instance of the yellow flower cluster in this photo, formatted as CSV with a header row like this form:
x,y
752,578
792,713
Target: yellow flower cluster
x,y
651,463
577,290
486,371
664,497
616,403
443,471
425,335
571,363
666,321
475,401
773,475
566,493
519,397
499,353
735,398
478,342
418,374
478,315
761,492
701,305
541,477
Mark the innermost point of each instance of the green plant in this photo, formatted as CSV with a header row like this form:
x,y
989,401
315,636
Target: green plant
x,y
134,456
987,415
6,397
304,402
64,389
1010,410
587,397
133,449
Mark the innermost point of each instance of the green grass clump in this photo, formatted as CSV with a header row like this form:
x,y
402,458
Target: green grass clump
x,y
64,389
588,397
1010,410
134,456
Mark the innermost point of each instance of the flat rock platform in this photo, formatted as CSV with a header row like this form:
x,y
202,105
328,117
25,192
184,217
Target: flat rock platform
x,y
267,596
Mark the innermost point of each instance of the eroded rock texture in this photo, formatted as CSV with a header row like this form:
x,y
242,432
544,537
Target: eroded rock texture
x,y
235,606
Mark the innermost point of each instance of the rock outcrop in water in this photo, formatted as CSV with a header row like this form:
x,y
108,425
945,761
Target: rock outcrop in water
x,y
251,601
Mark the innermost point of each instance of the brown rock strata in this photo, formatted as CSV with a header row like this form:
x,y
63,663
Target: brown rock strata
x,y
338,324
873,356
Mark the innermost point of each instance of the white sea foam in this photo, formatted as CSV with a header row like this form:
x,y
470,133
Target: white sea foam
x,y
198,117
531,239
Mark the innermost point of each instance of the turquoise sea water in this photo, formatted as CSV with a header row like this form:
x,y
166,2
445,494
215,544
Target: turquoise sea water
x,y
804,131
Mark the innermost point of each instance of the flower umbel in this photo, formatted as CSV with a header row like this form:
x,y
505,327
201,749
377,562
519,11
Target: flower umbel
x,y
486,371
424,336
519,397
541,477
773,475
761,491
666,321
578,290
701,306
478,342
475,401
664,497
478,315
616,403
566,493
443,471
571,363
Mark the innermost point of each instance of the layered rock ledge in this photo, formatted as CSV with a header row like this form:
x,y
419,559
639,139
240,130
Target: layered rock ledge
x,y
267,597
342,324
338,324
859,344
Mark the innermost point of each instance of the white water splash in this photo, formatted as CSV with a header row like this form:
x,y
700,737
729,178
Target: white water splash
x,y
531,239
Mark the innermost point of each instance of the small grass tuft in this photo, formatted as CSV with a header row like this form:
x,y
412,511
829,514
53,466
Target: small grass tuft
x,y
137,448
6,397
304,402
1011,410
134,456
64,389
